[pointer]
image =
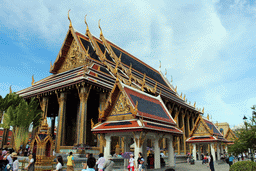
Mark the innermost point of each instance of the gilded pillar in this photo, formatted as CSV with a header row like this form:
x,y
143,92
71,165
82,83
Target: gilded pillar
x,y
83,96
61,120
184,133
44,106
102,101
176,118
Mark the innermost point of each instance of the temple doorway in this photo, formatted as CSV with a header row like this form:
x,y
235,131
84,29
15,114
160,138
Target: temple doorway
x,y
92,115
71,117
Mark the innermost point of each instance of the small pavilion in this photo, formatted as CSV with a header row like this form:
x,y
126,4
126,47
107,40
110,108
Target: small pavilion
x,y
206,138
136,116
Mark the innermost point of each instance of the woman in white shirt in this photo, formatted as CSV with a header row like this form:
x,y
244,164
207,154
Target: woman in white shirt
x,y
60,163
100,162
15,161
131,163
31,164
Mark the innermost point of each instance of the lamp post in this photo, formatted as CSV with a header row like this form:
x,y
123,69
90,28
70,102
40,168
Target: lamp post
x,y
245,123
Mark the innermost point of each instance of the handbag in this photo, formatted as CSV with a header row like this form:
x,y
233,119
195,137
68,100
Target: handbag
x,y
128,167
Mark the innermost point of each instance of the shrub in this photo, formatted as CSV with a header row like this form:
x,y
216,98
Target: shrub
x,y
243,165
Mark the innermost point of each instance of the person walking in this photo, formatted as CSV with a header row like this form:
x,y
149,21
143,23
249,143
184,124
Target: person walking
x,y
60,164
141,161
211,164
131,163
31,164
100,162
15,161
90,163
231,160
70,162
108,165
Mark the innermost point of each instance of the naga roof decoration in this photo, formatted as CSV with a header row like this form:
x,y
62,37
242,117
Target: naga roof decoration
x,y
130,109
205,131
80,53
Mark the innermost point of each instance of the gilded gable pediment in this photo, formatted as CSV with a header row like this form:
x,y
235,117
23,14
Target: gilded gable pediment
x,y
122,105
74,58
201,130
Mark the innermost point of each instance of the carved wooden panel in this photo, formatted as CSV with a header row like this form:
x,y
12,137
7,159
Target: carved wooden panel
x,y
122,106
73,59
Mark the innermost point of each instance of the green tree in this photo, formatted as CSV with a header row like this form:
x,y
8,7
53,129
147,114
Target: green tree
x,y
21,118
246,137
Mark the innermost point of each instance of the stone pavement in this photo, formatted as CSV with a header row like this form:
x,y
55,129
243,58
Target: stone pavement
x,y
198,166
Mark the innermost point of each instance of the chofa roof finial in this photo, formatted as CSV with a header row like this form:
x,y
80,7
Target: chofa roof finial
x,y
10,89
87,27
160,66
100,28
70,24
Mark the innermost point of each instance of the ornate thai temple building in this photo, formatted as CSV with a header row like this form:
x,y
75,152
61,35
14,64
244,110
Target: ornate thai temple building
x,y
89,105
207,139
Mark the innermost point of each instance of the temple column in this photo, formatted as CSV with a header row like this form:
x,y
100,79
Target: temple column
x,y
221,148
61,120
213,151
218,151
107,147
138,146
184,133
157,153
144,152
199,152
126,149
170,151
194,152
83,96
226,148
102,101
177,112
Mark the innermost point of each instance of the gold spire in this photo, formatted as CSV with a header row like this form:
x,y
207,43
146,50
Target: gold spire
x,y
51,65
70,24
165,72
175,89
10,89
203,110
171,79
208,117
181,95
184,98
160,66
100,28
87,27
195,104
33,80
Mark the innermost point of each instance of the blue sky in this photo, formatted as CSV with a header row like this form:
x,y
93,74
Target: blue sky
x,y
208,47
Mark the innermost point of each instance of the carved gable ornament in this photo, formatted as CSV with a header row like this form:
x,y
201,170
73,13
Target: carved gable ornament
x,y
122,105
73,59
201,130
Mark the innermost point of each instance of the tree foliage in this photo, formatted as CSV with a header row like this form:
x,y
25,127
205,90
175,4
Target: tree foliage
x,y
246,138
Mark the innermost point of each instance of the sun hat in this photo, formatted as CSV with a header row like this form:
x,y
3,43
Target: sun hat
x,y
14,154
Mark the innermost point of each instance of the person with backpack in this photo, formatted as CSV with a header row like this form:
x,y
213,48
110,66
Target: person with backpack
x,y
231,160
108,165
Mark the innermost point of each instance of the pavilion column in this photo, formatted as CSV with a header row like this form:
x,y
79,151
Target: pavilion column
x,y
218,151
61,120
194,152
213,151
157,153
184,133
138,146
83,96
176,118
102,102
188,124
170,151
107,147
199,152
126,149
221,148
226,148
144,152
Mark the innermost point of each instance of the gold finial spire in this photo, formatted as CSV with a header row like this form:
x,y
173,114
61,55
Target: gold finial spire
x,y
87,27
181,95
10,89
165,73
160,66
33,80
195,104
51,65
208,117
171,79
184,98
175,89
203,110
70,24
100,28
